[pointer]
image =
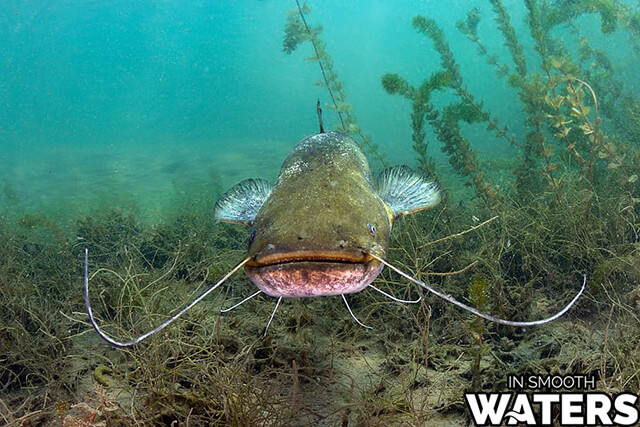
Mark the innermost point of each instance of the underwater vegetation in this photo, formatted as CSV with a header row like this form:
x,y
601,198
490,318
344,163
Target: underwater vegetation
x,y
567,204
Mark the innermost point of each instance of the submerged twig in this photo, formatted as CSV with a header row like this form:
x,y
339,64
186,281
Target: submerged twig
x,y
453,236
452,273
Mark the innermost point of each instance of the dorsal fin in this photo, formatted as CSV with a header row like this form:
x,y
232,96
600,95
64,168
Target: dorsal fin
x,y
319,112
407,191
241,203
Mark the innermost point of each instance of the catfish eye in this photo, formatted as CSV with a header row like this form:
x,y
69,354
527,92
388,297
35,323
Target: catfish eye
x,y
372,229
252,236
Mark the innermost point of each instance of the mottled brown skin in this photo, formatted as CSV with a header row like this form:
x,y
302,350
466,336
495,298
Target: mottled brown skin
x,y
314,233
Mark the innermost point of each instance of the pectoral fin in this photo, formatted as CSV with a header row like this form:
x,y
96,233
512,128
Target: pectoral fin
x,y
406,191
241,203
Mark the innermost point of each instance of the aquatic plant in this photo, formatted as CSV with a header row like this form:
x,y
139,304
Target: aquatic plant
x,y
478,296
36,265
535,95
540,101
503,21
297,31
446,125
422,110
469,27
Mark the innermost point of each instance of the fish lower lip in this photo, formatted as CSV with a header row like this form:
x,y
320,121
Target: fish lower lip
x,y
309,277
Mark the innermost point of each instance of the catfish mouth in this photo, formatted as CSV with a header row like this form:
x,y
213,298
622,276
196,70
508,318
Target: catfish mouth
x,y
312,273
351,257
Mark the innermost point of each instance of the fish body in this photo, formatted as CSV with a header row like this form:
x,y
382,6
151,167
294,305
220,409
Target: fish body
x,y
315,231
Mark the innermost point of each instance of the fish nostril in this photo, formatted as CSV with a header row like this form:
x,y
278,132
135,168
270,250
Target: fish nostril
x,y
341,244
300,237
